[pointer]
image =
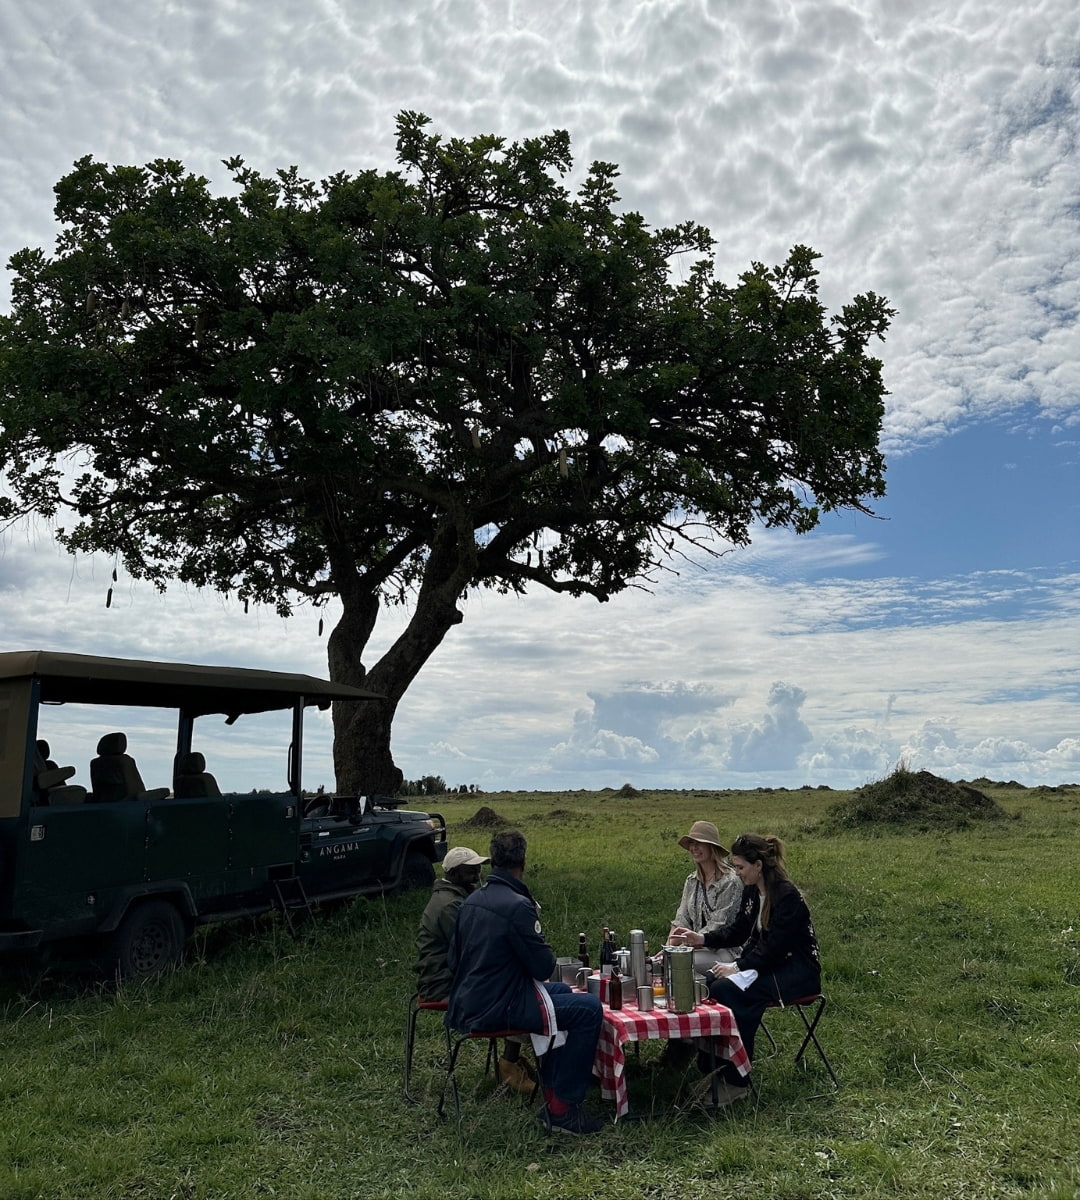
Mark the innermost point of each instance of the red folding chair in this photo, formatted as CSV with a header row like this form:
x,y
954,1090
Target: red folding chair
x,y
416,1007
493,1037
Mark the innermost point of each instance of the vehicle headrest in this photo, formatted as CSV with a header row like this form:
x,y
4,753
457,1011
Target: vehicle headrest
x,y
192,764
113,743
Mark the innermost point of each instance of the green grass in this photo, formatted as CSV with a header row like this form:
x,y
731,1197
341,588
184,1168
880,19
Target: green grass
x,y
271,1068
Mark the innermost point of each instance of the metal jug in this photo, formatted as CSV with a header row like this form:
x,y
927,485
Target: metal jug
x,y
679,978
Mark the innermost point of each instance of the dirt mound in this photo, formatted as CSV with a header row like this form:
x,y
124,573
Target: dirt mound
x,y
484,818
628,790
914,799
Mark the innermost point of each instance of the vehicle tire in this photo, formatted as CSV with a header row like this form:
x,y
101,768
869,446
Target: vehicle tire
x,y
417,872
150,938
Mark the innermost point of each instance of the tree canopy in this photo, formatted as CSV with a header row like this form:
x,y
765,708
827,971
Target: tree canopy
x,y
400,386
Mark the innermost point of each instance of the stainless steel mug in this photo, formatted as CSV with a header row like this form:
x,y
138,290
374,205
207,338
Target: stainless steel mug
x,y
645,997
701,989
581,979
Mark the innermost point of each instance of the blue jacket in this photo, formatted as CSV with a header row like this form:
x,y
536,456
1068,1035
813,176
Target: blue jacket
x,y
498,949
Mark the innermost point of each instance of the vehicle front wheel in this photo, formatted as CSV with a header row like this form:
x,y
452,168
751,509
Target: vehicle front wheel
x,y
417,872
150,938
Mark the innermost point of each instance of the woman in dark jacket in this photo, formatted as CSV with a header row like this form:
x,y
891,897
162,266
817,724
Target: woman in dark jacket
x,y
774,922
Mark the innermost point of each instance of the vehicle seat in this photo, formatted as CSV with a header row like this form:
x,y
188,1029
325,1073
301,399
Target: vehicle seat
x,y
114,775
49,779
193,780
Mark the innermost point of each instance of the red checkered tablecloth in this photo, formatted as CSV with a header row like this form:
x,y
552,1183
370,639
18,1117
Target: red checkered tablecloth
x,y
629,1024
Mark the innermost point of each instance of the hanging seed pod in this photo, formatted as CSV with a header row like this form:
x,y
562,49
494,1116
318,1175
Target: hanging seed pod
x,y
125,308
245,606
108,598
91,302
114,574
320,627
563,472
475,437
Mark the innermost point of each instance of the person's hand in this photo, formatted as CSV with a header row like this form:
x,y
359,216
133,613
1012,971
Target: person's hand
x,y
680,935
723,970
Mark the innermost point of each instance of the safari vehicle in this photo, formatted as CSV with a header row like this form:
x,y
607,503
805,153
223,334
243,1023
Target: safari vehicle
x,y
136,868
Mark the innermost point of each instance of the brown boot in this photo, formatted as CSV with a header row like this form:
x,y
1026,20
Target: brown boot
x,y
516,1076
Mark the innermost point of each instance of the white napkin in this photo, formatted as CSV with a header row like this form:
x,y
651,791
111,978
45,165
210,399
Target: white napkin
x,y
555,1037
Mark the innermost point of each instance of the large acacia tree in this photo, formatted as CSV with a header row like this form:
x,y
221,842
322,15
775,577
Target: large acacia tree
x,y
399,387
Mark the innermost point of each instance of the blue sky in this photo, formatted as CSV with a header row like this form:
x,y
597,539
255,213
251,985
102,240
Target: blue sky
x,y
927,150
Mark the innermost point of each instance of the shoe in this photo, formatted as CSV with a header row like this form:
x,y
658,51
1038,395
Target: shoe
x,y
516,1076
575,1121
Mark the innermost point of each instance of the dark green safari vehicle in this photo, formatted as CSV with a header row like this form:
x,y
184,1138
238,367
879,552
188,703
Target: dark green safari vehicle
x,y
136,867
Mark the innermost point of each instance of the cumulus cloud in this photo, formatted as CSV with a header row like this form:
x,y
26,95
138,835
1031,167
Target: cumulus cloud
x,y
638,723
773,744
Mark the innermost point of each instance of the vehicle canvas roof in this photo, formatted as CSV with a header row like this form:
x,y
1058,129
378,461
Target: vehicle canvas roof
x,y
88,679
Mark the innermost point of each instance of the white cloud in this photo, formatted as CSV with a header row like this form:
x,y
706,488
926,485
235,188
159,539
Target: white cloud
x,y
774,743
927,149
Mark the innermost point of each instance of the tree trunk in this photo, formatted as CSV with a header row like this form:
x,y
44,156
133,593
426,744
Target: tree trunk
x,y
363,762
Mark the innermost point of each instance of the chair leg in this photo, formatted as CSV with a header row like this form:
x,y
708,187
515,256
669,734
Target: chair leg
x,y
763,1028
491,1062
410,1041
450,1080
811,1036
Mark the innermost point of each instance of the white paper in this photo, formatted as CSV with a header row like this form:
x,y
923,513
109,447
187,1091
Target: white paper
x,y
743,979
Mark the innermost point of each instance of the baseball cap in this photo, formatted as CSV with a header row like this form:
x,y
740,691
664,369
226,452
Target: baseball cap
x,y
462,856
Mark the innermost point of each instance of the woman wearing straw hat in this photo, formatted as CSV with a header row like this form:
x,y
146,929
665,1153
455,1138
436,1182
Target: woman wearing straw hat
x,y
710,899
711,893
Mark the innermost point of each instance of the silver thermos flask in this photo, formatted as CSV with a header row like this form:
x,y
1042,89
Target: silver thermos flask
x,y
639,961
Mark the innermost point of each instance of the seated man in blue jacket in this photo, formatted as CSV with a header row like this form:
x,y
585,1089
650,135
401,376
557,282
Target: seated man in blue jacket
x,y
500,959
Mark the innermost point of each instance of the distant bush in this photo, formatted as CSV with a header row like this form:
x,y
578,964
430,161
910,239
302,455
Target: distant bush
x,y
435,785
912,798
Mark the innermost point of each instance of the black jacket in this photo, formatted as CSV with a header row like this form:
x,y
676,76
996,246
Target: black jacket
x,y
790,934
497,951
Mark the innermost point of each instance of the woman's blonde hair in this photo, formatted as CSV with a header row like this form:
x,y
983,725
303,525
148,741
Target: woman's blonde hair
x,y
719,862
768,850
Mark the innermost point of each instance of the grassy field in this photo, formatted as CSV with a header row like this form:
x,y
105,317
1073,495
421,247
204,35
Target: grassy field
x,y
272,1068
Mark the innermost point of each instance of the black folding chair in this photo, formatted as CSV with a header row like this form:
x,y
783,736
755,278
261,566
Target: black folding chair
x,y
816,1002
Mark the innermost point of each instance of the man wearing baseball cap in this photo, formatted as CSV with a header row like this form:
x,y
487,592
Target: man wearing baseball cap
x,y
461,877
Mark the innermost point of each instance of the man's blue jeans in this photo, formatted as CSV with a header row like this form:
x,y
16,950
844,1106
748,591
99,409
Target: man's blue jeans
x,y
568,1070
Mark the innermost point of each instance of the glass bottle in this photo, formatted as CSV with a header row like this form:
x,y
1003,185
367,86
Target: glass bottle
x,y
615,989
607,952
582,950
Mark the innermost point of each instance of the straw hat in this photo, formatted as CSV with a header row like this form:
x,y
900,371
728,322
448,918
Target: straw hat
x,y
703,831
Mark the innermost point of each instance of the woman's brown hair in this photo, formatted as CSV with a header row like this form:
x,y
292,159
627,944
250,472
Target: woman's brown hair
x,y
768,850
